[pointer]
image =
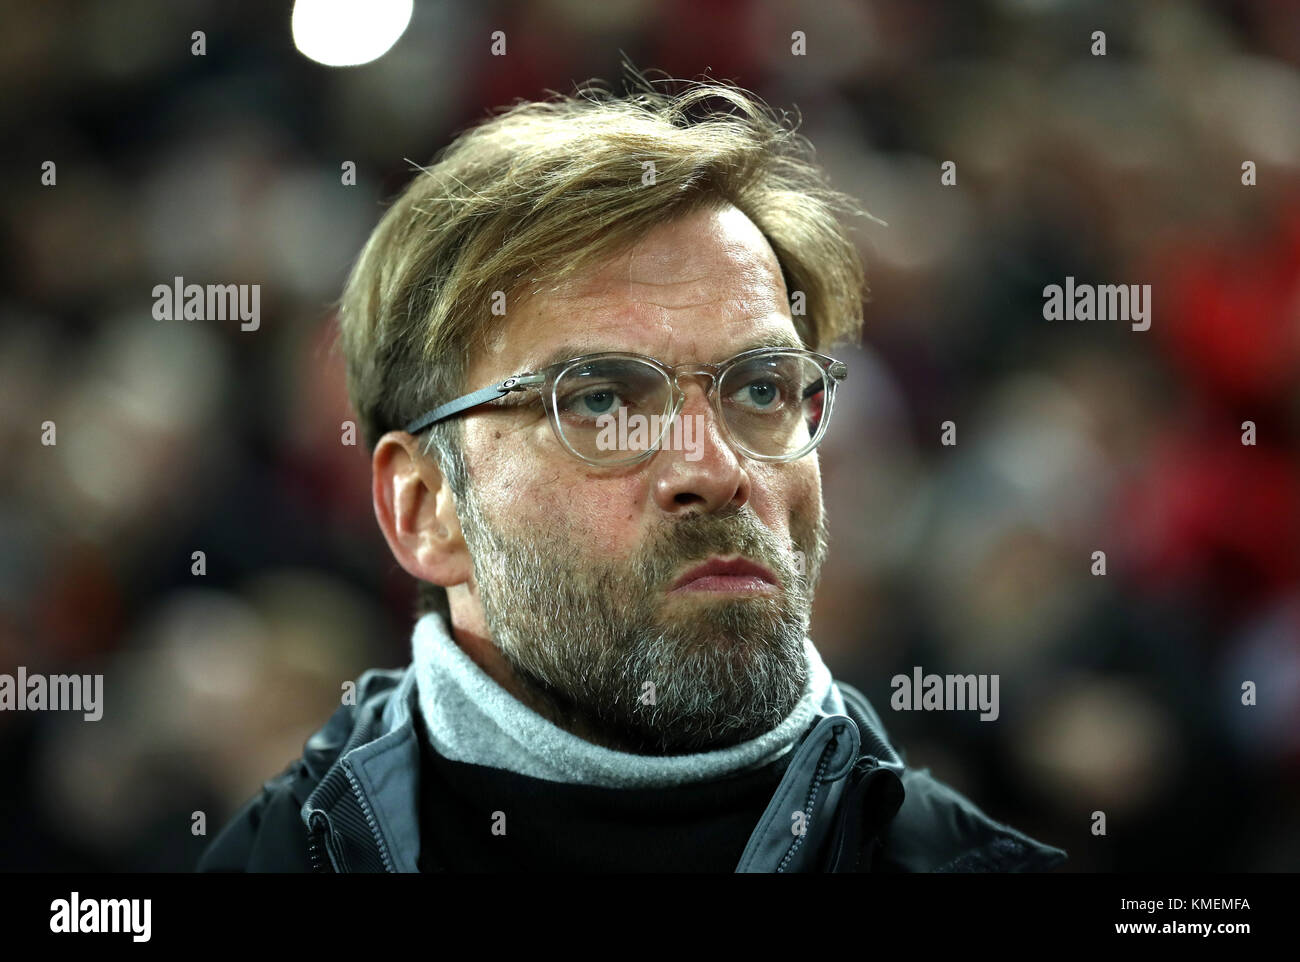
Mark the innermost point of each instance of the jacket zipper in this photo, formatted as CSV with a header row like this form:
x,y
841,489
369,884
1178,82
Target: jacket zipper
x,y
320,834
320,827
811,801
370,818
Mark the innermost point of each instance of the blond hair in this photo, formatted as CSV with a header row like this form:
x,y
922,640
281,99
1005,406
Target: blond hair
x,y
545,190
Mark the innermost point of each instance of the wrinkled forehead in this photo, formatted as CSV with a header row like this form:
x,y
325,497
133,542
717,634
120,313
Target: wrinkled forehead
x,y
715,262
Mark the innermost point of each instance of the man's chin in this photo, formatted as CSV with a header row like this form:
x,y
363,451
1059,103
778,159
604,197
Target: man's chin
x,y
721,616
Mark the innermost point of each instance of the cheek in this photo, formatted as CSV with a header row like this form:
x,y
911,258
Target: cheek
x,y
811,494
788,497
781,490
601,516
602,519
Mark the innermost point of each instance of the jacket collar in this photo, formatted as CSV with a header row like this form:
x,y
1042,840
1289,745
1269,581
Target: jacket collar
x,y
843,786
363,812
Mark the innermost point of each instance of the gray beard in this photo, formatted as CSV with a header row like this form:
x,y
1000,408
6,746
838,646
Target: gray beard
x,y
600,652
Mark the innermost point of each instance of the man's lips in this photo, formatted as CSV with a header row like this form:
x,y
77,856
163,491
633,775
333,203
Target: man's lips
x,y
716,574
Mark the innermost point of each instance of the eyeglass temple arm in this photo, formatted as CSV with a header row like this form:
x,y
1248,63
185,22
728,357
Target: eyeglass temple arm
x,y
517,383
839,370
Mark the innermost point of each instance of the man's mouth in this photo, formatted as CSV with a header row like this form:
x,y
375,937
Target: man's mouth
x,y
718,574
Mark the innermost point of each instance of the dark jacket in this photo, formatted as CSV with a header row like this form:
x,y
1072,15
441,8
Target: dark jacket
x,y
349,804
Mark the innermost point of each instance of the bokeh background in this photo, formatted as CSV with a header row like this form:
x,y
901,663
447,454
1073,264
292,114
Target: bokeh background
x,y
1119,693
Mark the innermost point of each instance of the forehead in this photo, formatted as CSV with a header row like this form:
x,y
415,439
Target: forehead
x,y
702,287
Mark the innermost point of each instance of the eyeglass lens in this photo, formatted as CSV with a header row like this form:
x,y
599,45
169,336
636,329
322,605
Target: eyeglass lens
x,y
612,409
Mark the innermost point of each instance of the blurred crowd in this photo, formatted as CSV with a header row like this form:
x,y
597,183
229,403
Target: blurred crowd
x,y
1121,692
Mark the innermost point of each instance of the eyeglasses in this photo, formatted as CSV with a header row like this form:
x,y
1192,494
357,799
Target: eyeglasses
x,y
773,404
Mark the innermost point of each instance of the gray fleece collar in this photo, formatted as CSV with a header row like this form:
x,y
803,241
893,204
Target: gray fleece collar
x,y
470,718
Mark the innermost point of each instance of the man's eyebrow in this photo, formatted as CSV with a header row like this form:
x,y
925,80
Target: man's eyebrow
x,y
566,351
775,339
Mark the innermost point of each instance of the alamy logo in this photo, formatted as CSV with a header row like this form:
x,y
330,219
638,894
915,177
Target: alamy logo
x,y
53,693
638,431
215,302
75,915
916,692
1101,302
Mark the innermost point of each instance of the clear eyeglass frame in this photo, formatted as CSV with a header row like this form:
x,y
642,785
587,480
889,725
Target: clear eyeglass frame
x,y
545,381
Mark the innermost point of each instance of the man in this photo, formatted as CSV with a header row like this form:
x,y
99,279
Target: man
x,y
586,348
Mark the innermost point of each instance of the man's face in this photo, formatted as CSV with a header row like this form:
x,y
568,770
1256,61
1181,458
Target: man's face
x,y
574,565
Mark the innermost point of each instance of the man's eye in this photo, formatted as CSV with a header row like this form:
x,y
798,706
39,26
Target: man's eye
x,y
760,394
592,403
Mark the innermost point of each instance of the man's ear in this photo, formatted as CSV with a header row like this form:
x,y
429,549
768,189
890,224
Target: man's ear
x,y
417,512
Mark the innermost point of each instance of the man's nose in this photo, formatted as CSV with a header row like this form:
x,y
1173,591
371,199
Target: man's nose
x,y
703,472
707,379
